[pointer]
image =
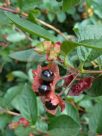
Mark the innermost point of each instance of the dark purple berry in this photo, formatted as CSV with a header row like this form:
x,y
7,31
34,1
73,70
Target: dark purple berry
x,y
44,89
50,106
47,75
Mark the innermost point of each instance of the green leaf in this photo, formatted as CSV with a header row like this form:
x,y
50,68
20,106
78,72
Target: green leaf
x,y
83,53
63,126
94,54
30,27
90,36
97,6
93,43
89,32
27,56
99,61
11,94
95,119
67,4
16,37
61,16
20,74
87,54
96,89
41,126
28,104
3,19
23,4
8,132
4,120
21,131
68,46
71,112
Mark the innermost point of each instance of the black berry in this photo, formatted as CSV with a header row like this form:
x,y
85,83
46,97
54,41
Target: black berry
x,y
44,89
47,75
50,106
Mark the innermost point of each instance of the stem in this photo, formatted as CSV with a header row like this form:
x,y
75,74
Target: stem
x,y
9,10
2,111
67,76
67,88
71,83
92,71
51,27
12,113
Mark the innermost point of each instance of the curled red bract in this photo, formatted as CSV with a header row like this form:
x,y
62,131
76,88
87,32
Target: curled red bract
x,y
24,122
68,79
81,86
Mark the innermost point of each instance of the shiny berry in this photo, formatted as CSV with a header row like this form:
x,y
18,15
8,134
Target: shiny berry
x,y
50,106
47,75
44,89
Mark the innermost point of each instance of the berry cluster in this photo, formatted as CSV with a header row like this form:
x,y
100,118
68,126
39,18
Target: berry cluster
x,y
44,85
45,79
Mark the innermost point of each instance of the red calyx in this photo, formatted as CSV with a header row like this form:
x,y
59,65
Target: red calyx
x,y
24,122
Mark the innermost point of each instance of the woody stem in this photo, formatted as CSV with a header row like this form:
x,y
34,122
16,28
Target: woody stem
x,y
92,71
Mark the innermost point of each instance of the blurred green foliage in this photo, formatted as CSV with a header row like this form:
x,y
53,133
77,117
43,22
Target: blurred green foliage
x,y
81,22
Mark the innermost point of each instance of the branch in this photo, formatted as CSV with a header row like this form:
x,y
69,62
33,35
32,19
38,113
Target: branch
x,y
12,113
3,111
16,11
92,71
52,27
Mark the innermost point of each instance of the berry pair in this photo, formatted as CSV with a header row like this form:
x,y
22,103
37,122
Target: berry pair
x,y
47,77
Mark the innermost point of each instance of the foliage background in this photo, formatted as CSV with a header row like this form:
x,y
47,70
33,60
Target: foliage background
x,y
81,24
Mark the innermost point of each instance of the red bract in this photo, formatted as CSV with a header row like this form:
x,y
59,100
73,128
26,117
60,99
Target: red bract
x,y
55,101
50,99
68,79
52,51
13,125
37,76
81,86
24,122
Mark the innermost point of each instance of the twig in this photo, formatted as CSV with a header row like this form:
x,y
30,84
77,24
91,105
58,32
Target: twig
x,y
9,10
71,83
2,111
92,71
12,113
67,88
51,27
